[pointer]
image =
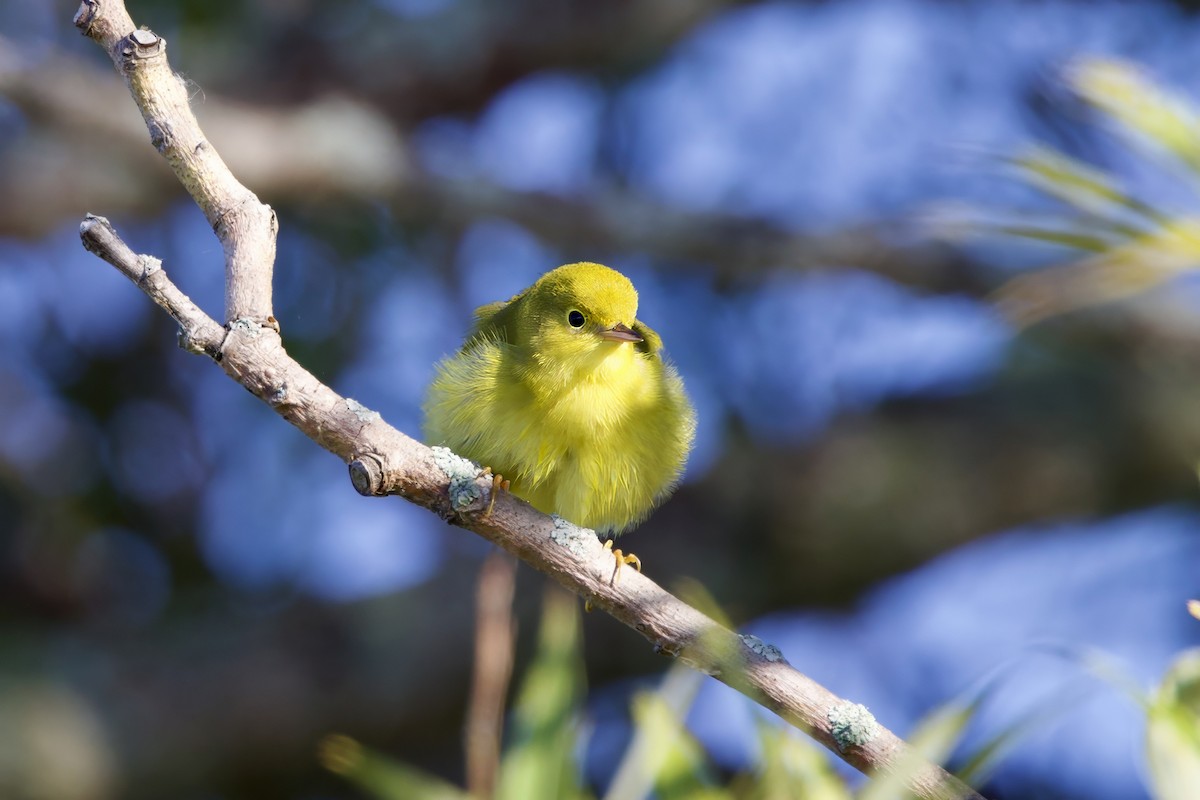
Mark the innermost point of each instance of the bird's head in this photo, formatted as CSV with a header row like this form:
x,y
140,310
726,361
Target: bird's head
x,y
579,315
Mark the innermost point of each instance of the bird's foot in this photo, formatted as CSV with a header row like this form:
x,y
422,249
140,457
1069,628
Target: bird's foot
x,y
622,560
499,484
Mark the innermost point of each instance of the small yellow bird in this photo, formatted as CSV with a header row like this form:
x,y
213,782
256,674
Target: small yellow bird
x,y
566,394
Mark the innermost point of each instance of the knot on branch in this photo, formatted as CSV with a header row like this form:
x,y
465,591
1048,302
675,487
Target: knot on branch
x,y
160,136
141,45
149,265
367,475
85,15
188,343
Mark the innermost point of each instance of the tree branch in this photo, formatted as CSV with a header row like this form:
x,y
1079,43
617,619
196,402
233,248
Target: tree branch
x,y
384,461
245,227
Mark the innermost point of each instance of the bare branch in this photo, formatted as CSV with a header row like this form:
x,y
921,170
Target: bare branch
x,y
245,226
198,332
384,461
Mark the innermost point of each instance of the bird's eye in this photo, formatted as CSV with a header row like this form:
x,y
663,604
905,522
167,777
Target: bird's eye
x,y
576,319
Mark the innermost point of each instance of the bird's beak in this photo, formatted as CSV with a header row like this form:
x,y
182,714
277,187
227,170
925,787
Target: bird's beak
x,y
620,333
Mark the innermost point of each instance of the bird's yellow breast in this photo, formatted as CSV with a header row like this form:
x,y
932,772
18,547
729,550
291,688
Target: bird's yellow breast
x,y
601,400
599,450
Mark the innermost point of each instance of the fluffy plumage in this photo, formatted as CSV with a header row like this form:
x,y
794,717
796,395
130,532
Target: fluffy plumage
x,y
566,394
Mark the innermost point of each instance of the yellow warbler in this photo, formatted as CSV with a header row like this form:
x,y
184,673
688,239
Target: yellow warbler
x,y
566,394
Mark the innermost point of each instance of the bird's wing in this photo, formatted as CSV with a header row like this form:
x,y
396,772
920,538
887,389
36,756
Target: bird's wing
x,y
651,342
493,323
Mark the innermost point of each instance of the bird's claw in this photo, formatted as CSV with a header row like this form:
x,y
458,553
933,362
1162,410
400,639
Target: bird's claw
x,y
499,484
622,560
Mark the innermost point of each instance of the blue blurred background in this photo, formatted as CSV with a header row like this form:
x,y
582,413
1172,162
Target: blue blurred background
x,y
899,488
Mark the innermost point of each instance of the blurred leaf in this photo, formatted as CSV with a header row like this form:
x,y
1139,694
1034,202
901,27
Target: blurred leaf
x,y
1100,664
954,222
1193,607
1134,245
1173,731
933,740
662,755
539,762
1083,187
379,776
984,759
1124,92
1123,271
1078,240
792,767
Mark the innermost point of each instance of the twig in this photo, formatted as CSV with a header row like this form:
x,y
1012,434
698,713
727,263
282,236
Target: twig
x,y
494,632
384,461
245,226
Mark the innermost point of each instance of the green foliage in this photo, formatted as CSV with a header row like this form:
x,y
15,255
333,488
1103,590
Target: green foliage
x,y
933,741
662,756
1131,245
381,777
1172,718
1154,116
664,761
791,766
539,763
1173,731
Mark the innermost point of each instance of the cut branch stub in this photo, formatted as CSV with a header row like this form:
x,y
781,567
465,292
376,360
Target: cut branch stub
x,y
366,473
139,46
105,23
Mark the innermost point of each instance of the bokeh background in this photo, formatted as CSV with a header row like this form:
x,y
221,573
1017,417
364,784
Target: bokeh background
x,y
911,495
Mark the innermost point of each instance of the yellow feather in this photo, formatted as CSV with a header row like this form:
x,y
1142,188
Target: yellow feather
x,y
586,420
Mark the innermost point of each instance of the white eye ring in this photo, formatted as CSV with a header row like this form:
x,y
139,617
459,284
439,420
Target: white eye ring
x,y
575,318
